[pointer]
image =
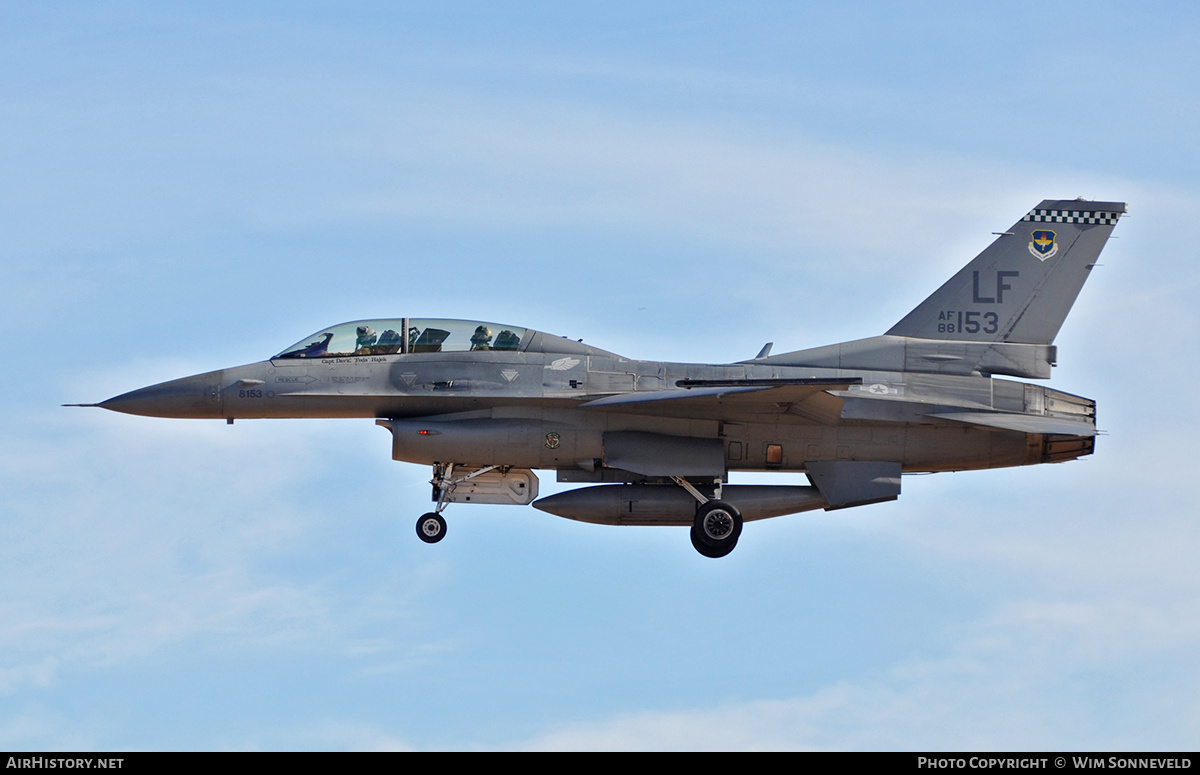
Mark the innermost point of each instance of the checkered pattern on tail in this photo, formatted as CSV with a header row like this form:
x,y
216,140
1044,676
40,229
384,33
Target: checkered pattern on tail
x,y
1072,216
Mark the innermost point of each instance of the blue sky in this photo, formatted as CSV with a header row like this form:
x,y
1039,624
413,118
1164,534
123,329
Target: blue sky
x,y
199,185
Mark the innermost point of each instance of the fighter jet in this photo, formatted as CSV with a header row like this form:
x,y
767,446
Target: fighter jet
x,y
486,404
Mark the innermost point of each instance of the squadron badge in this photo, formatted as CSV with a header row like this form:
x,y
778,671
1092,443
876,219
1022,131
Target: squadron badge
x,y
553,440
1043,245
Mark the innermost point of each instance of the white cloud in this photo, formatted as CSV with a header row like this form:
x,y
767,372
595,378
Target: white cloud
x,y
1024,678
125,537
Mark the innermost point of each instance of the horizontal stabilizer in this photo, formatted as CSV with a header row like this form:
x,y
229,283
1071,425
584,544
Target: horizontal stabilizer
x,y
1023,423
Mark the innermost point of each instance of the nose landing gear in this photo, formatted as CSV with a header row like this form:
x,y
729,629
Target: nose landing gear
x,y
431,527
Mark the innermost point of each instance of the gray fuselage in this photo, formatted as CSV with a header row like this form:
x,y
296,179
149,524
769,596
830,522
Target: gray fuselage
x,y
529,409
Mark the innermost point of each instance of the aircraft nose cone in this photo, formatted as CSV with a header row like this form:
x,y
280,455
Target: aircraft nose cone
x,y
198,396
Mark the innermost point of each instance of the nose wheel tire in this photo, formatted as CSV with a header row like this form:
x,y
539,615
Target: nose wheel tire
x,y
431,528
716,529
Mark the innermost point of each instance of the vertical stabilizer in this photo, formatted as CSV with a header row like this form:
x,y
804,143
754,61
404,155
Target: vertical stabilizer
x,y
1021,287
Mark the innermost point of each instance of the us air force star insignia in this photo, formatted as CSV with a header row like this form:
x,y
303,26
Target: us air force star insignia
x,y
509,374
553,440
562,364
1043,246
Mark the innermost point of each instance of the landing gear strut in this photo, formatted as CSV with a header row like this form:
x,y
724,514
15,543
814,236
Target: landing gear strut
x,y
717,525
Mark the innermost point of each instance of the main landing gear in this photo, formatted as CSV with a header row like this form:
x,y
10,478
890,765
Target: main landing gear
x,y
717,525
716,529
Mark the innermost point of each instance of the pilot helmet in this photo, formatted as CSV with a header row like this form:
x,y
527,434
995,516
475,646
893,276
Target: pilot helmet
x,y
366,336
482,335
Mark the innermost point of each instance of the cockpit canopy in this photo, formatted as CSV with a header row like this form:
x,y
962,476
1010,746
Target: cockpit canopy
x,y
406,335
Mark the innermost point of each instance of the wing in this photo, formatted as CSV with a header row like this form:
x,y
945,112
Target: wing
x,y
804,399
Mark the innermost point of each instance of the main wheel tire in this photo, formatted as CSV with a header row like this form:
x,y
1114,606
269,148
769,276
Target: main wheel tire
x,y
707,550
718,525
431,528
